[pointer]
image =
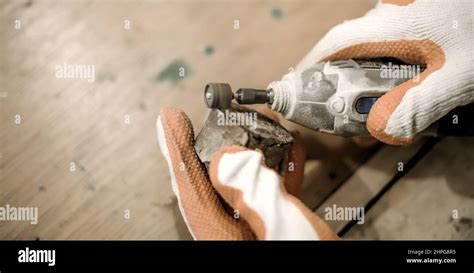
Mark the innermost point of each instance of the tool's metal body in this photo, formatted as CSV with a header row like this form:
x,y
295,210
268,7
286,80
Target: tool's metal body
x,y
335,97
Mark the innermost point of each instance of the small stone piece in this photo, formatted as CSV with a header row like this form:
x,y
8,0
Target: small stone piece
x,y
242,126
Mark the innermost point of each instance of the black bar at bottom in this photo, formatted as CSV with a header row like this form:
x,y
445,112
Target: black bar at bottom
x,y
269,256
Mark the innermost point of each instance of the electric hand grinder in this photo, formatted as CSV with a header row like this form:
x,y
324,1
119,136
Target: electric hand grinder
x,y
336,97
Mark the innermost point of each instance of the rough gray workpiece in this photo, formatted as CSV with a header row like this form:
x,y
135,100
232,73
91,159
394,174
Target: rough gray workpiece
x,y
260,133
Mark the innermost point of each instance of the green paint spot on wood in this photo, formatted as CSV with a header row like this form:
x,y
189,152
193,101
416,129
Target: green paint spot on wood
x,y
208,49
276,13
174,72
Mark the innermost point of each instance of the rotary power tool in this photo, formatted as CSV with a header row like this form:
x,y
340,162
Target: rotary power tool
x,y
335,97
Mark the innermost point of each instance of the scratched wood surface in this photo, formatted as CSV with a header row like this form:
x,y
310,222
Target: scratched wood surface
x,y
368,180
118,164
435,200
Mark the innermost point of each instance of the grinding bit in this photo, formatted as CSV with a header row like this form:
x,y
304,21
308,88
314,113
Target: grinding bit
x,y
218,95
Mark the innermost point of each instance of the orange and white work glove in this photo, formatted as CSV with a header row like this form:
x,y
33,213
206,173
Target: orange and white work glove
x,y
257,194
439,34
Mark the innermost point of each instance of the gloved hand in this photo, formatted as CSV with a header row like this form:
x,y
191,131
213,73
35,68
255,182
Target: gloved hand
x,y
436,33
259,196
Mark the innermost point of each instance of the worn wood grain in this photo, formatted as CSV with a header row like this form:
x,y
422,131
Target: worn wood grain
x,y
368,180
325,174
425,202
